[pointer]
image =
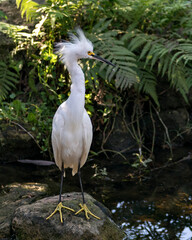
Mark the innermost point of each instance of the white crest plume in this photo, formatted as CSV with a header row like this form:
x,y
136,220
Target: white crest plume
x,y
77,48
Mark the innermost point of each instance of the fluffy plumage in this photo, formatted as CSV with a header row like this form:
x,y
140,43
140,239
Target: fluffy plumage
x,y
77,48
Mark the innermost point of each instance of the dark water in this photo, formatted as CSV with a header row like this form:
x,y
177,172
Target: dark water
x,y
155,206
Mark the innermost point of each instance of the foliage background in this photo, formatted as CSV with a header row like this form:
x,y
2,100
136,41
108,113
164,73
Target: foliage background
x,y
149,41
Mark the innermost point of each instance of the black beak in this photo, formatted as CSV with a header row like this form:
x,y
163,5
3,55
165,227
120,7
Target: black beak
x,y
102,59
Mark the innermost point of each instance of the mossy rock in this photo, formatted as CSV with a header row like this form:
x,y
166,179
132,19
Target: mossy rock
x,y
30,221
11,197
15,143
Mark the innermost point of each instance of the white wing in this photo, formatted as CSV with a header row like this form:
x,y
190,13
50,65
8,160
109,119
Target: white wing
x,y
57,127
87,137
70,145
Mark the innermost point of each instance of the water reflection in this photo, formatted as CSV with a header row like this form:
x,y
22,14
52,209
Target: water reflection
x,y
151,220
157,208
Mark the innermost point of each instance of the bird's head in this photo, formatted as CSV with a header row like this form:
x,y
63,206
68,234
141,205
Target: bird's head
x,y
77,48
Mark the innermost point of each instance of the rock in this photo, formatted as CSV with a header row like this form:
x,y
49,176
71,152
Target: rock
x,y
175,119
30,222
120,139
177,124
19,143
169,98
175,114
13,196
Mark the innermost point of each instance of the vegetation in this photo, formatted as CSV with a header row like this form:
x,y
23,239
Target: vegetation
x,y
147,41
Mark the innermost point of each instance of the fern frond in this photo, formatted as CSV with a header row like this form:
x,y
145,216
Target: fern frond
x,y
184,51
145,50
114,50
27,8
137,42
102,25
167,57
11,29
147,82
17,33
188,76
8,79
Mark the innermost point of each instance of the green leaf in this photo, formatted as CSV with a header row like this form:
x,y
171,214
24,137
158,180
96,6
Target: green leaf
x,y
8,79
28,8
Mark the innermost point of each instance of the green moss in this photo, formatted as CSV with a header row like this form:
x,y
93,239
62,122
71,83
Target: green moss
x,y
109,231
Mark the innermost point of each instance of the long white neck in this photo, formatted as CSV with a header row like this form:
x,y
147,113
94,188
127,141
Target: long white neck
x,y
76,100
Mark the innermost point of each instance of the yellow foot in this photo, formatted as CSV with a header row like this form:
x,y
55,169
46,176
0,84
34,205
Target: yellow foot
x,y
58,208
87,211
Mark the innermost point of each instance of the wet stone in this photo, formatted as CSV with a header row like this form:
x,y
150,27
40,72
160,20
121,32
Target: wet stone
x,y
30,222
23,213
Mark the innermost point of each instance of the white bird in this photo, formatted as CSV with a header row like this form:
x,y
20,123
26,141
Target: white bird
x,y
72,128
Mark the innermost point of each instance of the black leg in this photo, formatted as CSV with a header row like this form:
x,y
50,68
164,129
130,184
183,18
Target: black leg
x,y
60,206
84,206
61,185
79,173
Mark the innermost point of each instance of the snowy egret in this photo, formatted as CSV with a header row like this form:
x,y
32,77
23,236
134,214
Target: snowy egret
x,y
72,128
